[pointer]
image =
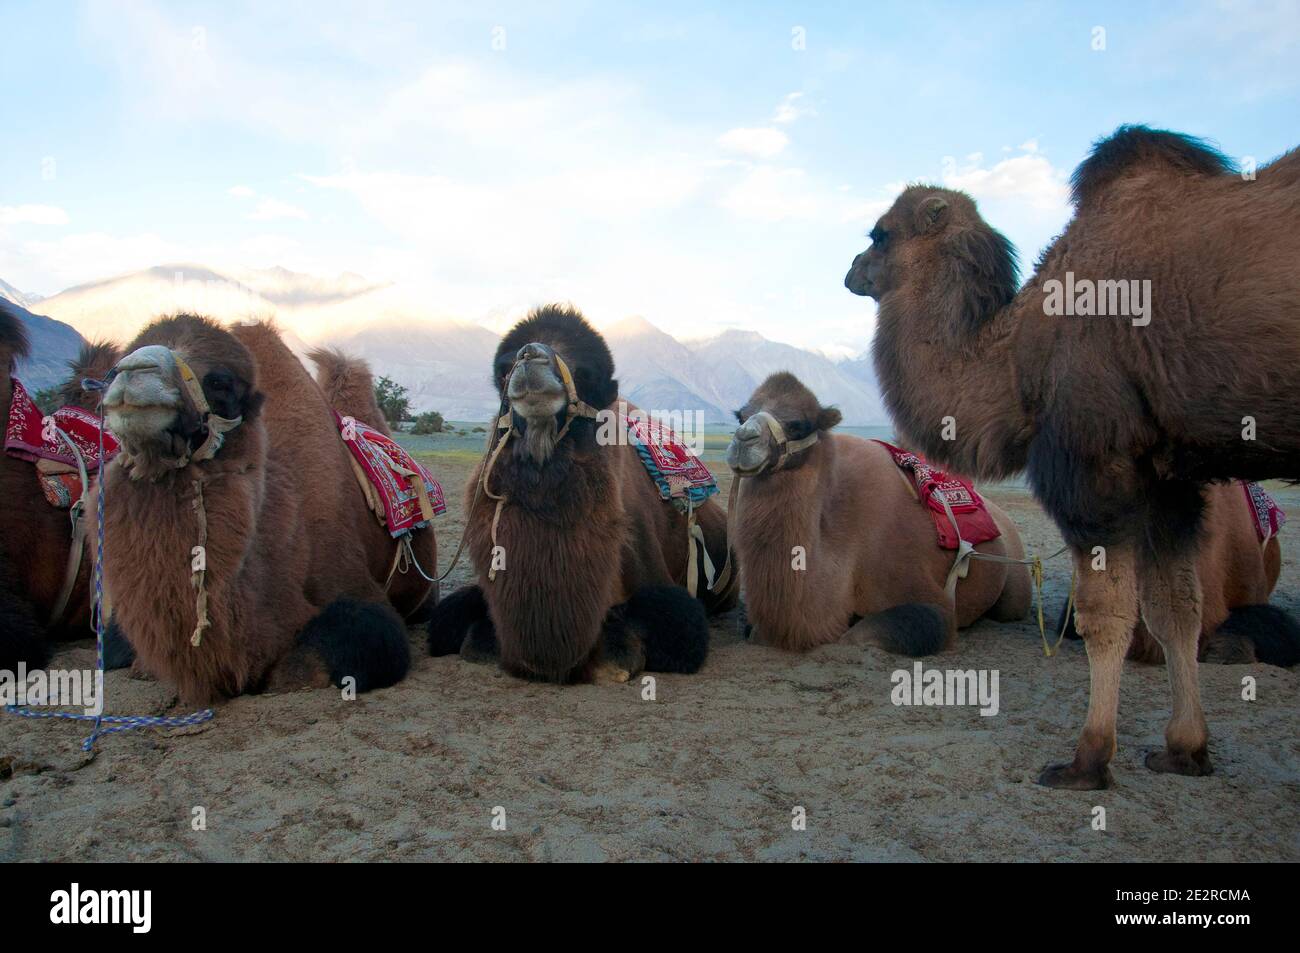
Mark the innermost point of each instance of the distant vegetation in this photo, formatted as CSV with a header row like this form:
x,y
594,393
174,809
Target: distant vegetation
x,y
392,400
428,422
48,399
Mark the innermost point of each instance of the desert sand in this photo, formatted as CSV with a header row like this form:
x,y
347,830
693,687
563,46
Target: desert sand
x,y
714,768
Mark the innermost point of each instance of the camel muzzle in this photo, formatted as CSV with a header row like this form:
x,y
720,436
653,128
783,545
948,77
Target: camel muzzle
x,y
151,387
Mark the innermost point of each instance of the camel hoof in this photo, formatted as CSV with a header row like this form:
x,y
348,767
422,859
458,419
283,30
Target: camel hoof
x,y
609,674
1068,777
1180,762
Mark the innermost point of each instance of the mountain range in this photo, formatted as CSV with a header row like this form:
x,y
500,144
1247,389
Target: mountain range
x,y
445,363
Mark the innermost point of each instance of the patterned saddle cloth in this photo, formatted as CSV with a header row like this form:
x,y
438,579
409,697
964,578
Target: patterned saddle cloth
x,y
49,443
1268,516
676,471
934,487
402,493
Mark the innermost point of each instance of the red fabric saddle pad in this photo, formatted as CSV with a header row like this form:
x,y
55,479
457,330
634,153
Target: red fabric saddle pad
x,y
933,487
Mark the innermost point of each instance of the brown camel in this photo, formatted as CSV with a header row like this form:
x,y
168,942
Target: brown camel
x,y
580,561
833,543
35,537
1174,363
1237,574
241,553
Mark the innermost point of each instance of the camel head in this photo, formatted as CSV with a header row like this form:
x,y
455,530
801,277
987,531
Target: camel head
x,y
778,426
934,254
530,369
153,412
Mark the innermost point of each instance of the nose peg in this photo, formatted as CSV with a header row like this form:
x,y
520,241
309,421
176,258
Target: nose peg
x,y
532,352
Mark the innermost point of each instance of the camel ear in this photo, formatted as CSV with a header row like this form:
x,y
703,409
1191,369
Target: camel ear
x,y
931,215
828,418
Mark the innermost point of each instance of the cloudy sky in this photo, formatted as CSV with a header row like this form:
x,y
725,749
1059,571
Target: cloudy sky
x,y
703,169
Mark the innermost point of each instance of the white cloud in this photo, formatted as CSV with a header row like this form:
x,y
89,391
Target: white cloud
x,y
761,142
240,192
32,215
271,210
1029,178
790,108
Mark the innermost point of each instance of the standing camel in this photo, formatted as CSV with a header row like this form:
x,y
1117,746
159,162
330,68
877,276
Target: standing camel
x,y
1174,363
833,542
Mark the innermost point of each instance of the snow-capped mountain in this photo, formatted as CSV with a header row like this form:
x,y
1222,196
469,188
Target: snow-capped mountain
x,y
446,363
11,294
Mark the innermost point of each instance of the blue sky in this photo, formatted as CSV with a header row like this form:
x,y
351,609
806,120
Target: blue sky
x,y
702,168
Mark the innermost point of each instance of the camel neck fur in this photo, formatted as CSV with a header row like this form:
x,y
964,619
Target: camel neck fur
x,y
561,535
778,512
153,527
956,400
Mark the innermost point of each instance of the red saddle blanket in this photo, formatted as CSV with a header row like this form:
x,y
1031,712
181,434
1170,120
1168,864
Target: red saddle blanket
x,y
396,477
676,471
1268,516
933,487
26,436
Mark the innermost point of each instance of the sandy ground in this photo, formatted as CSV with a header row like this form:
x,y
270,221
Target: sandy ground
x,y
712,769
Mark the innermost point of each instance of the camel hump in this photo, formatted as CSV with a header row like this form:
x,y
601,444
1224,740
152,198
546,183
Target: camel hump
x,y
1140,148
94,360
13,336
349,385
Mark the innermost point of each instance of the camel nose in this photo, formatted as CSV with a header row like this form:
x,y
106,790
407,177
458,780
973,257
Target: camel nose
x,y
145,376
747,432
533,352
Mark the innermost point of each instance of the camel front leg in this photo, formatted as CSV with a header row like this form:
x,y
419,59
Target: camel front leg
x,y
1106,609
1171,608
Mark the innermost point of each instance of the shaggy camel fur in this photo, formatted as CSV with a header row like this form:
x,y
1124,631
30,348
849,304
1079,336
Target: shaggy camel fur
x,y
1237,574
1119,419
594,559
295,562
35,536
872,570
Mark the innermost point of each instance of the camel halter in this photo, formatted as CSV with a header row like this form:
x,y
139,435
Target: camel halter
x,y
785,449
503,430
216,426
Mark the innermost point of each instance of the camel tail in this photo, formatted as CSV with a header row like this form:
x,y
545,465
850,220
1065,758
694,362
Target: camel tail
x,y
1273,633
365,641
914,629
349,386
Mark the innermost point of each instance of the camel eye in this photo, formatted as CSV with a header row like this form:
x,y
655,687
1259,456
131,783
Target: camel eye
x,y
879,238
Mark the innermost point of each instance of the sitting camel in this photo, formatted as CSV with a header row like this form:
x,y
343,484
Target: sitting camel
x,y
1237,574
581,562
833,543
44,594
1174,363
241,554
